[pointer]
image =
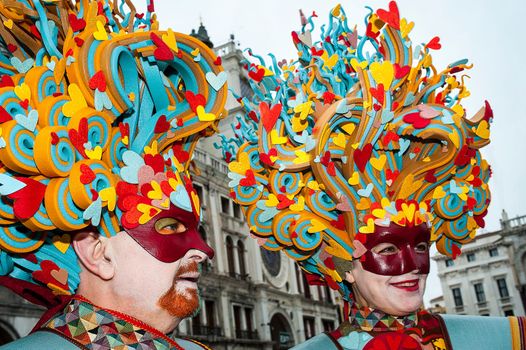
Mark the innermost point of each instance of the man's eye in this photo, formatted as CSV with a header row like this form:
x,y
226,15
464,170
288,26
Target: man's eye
x,y
422,247
386,250
169,226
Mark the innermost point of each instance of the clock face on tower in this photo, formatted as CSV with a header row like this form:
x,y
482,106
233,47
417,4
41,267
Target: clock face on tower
x,y
271,261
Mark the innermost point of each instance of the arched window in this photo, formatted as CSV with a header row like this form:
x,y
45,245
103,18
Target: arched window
x,y
230,256
241,258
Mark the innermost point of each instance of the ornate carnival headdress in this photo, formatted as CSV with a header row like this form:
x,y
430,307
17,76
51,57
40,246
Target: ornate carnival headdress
x,y
99,114
361,130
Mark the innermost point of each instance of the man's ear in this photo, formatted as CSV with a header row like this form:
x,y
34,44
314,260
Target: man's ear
x,y
94,252
349,277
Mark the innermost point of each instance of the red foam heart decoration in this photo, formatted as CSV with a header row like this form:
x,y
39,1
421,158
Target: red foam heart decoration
x,y
284,202
378,93
78,41
24,104
326,158
362,156
79,137
11,48
77,24
265,157
249,179
179,153
391,175
218,61
125,129
434,44
156,161
54,138
401,72
391,16
195,100
87,175
27,200
49,273
4,115
430,176
388,137
331,169
488,112
162,125
328,97
416,120
257,75
34,30
6,80
98,81
339,223
162,52
269,116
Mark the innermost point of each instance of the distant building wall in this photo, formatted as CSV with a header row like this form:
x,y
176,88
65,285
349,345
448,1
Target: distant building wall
x,y
489,277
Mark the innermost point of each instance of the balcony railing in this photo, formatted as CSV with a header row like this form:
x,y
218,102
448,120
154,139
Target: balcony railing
x,y
513,223
244,334
459,308
232,224
207,330
239,276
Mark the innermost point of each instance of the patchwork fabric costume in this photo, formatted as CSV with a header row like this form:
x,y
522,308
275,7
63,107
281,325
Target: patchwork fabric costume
x,y
359,134
99,114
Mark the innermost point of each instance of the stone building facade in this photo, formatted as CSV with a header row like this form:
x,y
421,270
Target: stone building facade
x,y
251,298
489,277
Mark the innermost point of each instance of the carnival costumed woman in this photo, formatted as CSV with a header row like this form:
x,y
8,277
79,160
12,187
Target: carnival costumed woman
x,y
352,160
99,114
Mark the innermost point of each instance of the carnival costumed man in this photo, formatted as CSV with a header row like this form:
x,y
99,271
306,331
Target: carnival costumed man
x,y
100,112
352,160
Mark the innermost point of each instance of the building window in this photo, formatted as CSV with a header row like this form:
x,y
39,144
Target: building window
x,y
225,205
470,257
508,313
449,262
298,277
479,292
457,296
238,214
241,258
199,191
308,325
237,321
328,294
306,286
328,325
210,313
503,288
493,252
230,256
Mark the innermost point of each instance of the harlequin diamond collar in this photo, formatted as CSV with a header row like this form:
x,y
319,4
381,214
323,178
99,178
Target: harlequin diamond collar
x,y
369,319
94,327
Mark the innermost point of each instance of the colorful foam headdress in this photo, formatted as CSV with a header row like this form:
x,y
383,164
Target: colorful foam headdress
x,y
99,114
360,130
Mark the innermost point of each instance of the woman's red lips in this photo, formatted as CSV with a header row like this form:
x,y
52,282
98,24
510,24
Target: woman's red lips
x,y
408,285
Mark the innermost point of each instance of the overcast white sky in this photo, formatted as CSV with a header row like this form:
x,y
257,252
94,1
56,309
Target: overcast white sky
x,y
486,32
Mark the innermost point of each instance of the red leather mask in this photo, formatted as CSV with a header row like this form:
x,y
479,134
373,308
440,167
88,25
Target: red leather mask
x,y
404,253
170,247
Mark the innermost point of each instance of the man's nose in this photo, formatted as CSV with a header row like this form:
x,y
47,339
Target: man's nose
x,y
200,256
